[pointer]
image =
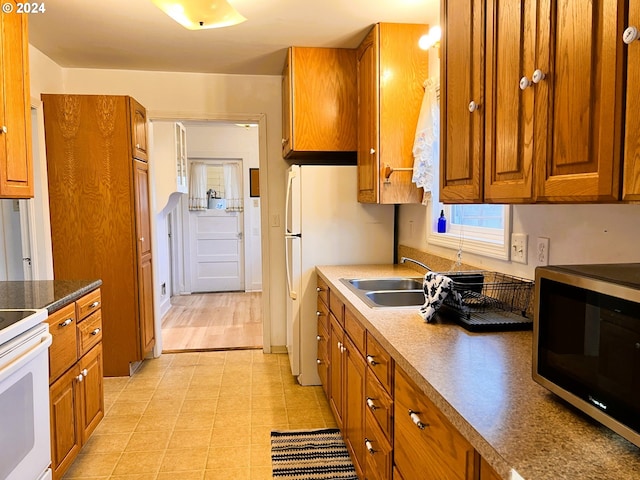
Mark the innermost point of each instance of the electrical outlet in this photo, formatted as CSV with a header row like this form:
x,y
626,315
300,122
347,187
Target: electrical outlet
x,y
519,247
542,251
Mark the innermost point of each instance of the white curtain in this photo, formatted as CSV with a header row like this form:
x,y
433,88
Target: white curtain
x,y
198,186
232,187
426,146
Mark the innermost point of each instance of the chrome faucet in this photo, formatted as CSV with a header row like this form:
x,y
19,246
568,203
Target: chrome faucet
x,y
407,259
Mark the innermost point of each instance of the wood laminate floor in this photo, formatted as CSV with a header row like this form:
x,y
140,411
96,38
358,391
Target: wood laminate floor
x,y
213,321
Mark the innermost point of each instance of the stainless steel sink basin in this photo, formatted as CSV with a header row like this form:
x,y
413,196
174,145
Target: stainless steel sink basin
x,y
397,298
389,292
386,283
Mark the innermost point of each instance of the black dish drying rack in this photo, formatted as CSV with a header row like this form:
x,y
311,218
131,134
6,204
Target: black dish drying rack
x,y
488,301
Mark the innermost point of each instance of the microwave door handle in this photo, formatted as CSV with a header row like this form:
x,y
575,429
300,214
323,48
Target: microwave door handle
x,y
287,248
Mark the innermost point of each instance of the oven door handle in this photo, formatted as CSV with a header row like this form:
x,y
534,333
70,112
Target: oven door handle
x,y
17,363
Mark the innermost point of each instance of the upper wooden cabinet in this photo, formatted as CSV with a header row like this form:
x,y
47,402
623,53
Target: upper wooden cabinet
x,y
138,130
462,101
319,102
550,110
631,187
16,164
578,104
391,72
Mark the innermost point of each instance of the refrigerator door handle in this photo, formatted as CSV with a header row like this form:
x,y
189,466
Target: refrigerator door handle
x,y
287,247
288,206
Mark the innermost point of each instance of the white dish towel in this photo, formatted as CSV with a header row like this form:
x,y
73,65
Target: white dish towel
x,y
436,288
426,145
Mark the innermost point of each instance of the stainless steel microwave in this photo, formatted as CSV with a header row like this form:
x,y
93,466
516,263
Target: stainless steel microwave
x,y
586,338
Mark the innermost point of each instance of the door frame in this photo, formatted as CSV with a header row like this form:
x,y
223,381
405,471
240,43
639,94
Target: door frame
x,y
261,120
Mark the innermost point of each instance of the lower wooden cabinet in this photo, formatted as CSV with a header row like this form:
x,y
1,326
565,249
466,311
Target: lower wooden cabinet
x,y
426,445
391,428
66,438
76,389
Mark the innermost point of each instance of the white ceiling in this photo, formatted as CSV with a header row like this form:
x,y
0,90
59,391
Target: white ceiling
x,y
135,35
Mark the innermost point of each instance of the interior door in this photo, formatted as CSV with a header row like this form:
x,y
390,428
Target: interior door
x,y
216,251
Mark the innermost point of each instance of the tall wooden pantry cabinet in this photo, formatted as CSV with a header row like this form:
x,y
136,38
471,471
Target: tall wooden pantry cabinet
x,y
100,213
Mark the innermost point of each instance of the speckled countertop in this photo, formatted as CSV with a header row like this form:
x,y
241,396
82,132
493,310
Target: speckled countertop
x,y
49,294
482,383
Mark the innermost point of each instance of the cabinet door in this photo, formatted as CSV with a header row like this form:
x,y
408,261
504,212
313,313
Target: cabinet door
x,y
425,444
287,132
354,403
578,105
91,392
402,70
631,189
510,46
368,108
66,429
336,346
461,101
180,140
138,130
16,165
145,268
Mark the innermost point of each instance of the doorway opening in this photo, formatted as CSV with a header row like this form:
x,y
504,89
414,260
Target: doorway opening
x,y
211,279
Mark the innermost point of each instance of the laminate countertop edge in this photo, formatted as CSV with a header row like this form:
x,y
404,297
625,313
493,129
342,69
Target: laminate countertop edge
x,y
482,383
49,294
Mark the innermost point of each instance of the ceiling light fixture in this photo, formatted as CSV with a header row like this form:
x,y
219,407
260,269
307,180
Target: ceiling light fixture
x,y
200,14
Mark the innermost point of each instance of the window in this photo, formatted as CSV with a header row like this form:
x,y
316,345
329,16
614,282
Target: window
x,y
479,228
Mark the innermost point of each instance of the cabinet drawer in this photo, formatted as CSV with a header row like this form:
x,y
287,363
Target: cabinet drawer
x,y
323,290
323,314
380,363
336,306
426,444
355,330
89,332
379,459
88,304
380,405
63,351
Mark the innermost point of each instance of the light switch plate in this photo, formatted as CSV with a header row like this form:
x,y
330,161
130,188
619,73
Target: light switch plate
x,y
519,247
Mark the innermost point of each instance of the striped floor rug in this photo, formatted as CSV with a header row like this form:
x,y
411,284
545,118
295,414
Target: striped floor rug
x,y
310,455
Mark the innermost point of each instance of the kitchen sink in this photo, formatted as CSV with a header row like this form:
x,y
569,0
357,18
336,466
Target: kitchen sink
x,y
387,283
397,298
389,292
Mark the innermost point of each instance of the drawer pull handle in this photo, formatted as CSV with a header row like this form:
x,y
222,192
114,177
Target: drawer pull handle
x,y
66,322
94,304
416,419
371,361
95,332
318,361
80,378
318,289
318,314
85,372
367,444
371,405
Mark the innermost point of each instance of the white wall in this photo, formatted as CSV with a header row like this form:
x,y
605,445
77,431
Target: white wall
x,y
599,233
190,96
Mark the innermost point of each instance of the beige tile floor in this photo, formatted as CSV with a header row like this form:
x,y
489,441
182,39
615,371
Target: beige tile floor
x,y
198,416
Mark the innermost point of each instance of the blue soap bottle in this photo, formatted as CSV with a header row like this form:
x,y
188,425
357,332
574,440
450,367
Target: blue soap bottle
x,y
442,223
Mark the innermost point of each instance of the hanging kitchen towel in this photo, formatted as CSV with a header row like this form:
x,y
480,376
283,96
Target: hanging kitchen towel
x,y
426,146
436,288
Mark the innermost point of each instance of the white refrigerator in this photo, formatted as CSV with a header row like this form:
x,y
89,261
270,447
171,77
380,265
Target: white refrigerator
x,y
325,225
